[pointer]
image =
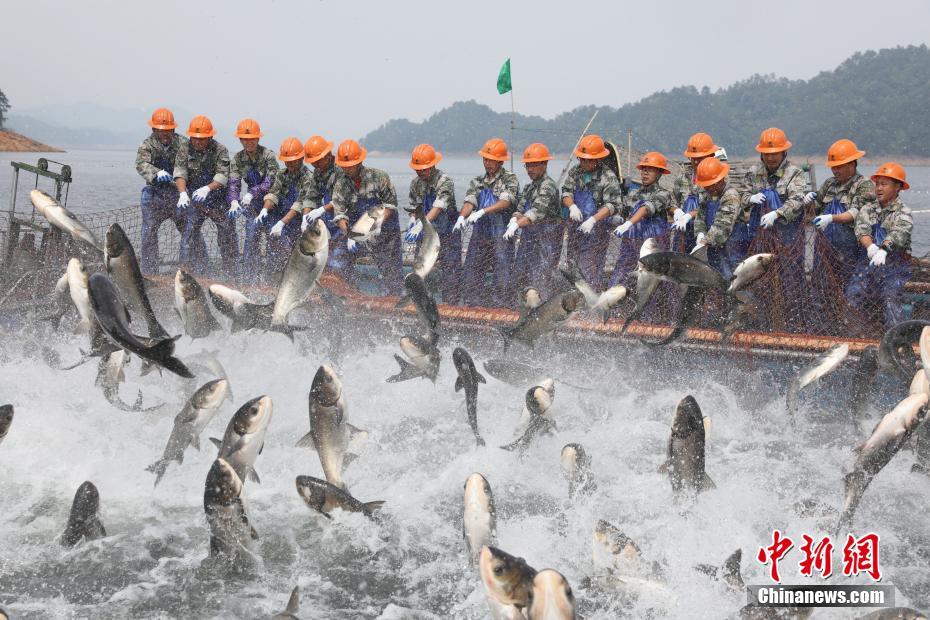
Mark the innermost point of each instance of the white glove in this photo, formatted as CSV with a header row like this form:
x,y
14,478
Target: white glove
x,y
247,199
201,194
574,213
184,201
351,245
622,228
699,243
310,217
163,176
681,222
871,250
261,216
234,209
413,231
822,221
459,224
879,258
511,229
769,219
809,197
757,199
277,229
588,225
475,216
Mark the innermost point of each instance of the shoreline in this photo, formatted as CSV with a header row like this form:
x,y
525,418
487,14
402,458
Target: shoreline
x,y
12,142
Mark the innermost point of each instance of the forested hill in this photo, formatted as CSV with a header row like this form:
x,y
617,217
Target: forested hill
x,y
879,99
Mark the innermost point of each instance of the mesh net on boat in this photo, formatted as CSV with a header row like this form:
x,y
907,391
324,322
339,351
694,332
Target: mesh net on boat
x,y
802,292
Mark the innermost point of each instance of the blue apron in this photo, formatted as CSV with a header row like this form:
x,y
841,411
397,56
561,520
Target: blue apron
x,y
491,224
841,236
725,259
584,200
443,222
786,232
652,226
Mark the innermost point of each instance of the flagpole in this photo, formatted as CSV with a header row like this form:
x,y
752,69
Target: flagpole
x,y
512,116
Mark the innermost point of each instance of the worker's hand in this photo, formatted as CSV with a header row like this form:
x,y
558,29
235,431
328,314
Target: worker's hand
x,y
588,225
822,221
475,216
511,229
277,229
247,199
768,219
201,194
184,201
574,213
414,230
261,216
809,197
234,209
459,224
623,228
878,259
163,176
757,199
699,243
681,221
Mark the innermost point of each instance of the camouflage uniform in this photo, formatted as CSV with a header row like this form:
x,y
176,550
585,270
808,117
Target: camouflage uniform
x,y
785,190
541,242
439,191
199,168
258,172
350,201
487,250
592,191
158,199
284,193
658,204
833,199
318,191
724,214
874,287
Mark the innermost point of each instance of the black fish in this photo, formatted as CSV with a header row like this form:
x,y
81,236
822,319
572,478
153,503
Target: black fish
x,y
468,379
84,522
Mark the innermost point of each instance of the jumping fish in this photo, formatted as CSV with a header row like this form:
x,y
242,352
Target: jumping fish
x,y
598,304
368,225
191,304
750,270
822,366
231,532
543,319
508,580
425,304
576,467
302,272
479,525
896,349
63,219
551,597
685,459
84,519
6,420
646,282
424,360
468,380
121,263
244,439
329,432
538,402
324,498
235,306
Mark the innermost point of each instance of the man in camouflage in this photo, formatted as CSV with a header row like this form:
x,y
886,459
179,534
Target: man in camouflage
x,y
251,174
359,189
591,192
433,192
540,223
155,163
719,224
489,202
289,184
202,162
686,194
884,230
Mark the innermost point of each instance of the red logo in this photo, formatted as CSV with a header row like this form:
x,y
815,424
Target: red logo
x,y
860,555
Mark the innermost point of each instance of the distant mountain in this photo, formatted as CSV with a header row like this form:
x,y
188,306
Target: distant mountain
x,y
879,99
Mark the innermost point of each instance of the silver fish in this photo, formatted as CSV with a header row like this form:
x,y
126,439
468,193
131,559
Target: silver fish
x,y
63,219
468,380
77,288
293,606
646,282
892,432
231,532
538,402
543,319
110,374
750,270
552,597
244,439
730,571
424,360
6,420
84,520
189,424
244,313
576,467
302,272
329,433
191,303
479,521
428,253
686,458
822,366
369,224
598,304
508,580
121,263
324,497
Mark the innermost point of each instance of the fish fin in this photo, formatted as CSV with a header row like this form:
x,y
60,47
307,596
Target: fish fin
x,y
459,384
347,460
293,603
354,431
196,442
253,476
707,483
373,506
407,371
732,573
480,377
306,441
158,468
262,448
216,442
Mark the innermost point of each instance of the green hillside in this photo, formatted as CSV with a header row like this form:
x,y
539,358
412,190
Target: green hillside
x,y
879,99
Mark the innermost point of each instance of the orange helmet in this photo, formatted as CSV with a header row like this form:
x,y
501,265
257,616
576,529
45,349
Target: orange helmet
x,y
773,140
424,156
536,152
248,128
162,118
700,145
654,159
316,149
842,152
892,170
201,127
591,147
350,153
710,171
291,149
495,149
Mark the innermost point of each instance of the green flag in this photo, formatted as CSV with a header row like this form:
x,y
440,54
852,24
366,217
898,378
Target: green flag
x,y
503,80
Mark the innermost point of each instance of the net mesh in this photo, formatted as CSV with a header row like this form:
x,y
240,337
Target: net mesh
x,y
804,290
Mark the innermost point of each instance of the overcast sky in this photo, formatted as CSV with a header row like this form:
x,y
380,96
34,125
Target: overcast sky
x,y
343,68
